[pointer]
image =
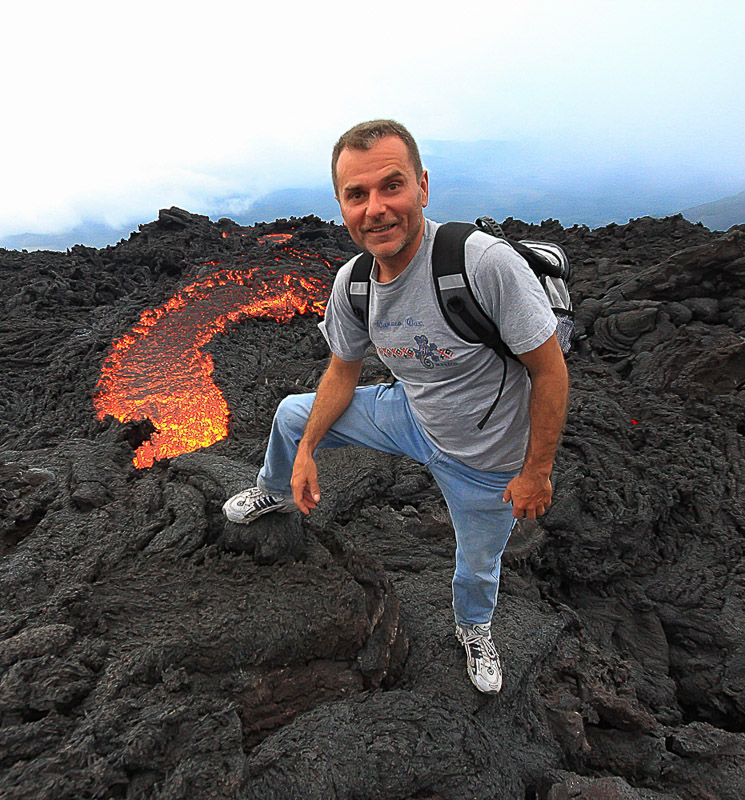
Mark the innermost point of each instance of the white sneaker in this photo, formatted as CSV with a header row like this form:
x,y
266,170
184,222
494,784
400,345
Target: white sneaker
x,y
250,504
482,659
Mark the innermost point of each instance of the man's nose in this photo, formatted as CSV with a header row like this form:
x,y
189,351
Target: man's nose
x,y
375,204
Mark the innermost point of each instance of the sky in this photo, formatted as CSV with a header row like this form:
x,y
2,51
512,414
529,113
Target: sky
x,y
114,110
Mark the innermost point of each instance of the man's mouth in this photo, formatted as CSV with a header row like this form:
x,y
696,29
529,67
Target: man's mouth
x,y
380,228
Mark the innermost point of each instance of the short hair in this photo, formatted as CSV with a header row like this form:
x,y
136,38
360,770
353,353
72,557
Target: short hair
x,y
366,134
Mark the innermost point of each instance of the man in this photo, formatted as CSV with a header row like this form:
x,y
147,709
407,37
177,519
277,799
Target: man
x,y
444,383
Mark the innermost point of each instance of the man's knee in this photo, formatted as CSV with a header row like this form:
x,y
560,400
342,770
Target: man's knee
x,y
292,413
479,548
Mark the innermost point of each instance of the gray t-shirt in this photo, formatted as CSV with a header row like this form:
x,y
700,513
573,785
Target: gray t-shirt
x,y
450,383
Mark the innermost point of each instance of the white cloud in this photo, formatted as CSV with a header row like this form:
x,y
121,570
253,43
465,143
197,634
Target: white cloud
x,y
113,110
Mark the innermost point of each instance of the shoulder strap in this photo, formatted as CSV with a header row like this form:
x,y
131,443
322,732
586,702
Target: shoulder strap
x,y
456,298
359,287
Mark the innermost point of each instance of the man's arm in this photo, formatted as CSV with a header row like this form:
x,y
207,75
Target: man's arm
x,y
333,395
531,490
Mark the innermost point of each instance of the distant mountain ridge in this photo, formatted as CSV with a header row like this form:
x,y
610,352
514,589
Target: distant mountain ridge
x,y
91,233
720,215
527,181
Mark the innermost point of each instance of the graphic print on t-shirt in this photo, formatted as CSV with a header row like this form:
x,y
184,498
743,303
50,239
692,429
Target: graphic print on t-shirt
x,y
427,353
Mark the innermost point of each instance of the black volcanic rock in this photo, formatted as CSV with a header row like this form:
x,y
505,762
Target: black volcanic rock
x,y
149,649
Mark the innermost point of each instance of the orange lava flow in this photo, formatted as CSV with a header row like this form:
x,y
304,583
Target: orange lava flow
x,y
159,372
274,238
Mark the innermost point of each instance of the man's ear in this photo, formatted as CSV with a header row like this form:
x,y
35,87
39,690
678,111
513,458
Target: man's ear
x,y
424,186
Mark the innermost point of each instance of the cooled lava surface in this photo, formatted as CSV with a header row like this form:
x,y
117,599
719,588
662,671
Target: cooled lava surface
x,y
148,649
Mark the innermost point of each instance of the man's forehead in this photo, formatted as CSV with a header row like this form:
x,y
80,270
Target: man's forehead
x,y
387,158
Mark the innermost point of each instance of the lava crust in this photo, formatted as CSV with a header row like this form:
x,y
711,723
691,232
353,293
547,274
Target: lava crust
x,y
149,649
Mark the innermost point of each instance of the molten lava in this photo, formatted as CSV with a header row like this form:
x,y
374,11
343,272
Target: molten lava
x,y
159,372
274,238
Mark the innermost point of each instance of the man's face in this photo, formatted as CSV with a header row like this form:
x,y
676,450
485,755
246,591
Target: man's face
x,y
381,201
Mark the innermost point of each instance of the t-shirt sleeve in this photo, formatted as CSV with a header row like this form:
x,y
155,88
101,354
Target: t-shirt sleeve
x,y
347,337
511,294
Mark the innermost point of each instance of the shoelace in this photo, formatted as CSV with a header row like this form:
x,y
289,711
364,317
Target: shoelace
x,y
248,497
476,642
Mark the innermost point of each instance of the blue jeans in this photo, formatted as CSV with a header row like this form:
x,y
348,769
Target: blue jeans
x,y
379,417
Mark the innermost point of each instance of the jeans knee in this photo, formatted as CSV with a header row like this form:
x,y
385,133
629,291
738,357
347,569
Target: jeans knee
x,y
476,561
292,414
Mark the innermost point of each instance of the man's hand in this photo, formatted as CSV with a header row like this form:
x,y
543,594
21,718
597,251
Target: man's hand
x,y
305,490
531,490
334,394
530,495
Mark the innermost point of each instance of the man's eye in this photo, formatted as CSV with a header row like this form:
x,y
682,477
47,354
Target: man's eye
x,y
393,186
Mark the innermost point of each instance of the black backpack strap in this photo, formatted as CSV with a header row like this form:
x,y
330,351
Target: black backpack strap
x,y
458,303
358,289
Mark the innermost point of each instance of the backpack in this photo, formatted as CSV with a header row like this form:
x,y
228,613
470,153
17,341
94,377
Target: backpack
x,y
457,302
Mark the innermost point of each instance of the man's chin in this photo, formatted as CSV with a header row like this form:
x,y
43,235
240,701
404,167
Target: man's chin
x,y
384,251
382,247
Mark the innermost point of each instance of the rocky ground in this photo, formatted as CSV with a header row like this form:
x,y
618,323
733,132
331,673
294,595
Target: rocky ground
x,y
150,650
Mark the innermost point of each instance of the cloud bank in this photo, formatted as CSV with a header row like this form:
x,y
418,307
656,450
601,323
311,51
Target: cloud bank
x,y
115,112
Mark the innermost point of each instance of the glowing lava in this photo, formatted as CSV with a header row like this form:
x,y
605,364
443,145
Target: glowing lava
x,y
274,238
159,372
